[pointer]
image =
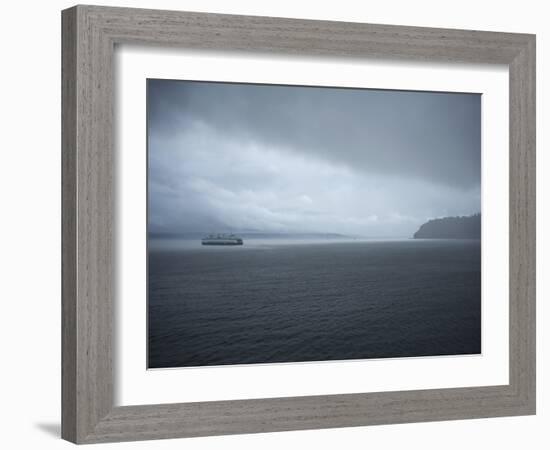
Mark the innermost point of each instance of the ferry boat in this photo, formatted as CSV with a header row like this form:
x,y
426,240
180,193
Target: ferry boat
x,y
222,239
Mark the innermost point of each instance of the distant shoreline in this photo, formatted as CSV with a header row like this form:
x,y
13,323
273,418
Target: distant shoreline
x,y
464,227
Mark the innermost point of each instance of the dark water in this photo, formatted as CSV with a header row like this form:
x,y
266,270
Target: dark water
x,y
276,302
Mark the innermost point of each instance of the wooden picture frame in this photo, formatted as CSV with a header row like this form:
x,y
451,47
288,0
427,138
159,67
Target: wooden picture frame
x,y
89,37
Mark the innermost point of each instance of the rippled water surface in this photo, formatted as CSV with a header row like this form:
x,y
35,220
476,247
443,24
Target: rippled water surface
x,y
289,301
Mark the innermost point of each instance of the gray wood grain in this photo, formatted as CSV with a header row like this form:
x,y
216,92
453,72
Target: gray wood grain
x,y
68,226
89,36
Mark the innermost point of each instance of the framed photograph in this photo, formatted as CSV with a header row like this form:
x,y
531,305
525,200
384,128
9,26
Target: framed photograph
x,y
278,224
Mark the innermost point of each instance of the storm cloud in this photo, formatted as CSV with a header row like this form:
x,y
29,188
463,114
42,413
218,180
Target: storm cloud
x,y
270,158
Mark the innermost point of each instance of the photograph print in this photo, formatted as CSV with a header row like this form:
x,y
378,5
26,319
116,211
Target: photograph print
x,y
291,224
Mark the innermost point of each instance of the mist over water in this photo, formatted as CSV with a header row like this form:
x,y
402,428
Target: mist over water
x,y
272,302
178,243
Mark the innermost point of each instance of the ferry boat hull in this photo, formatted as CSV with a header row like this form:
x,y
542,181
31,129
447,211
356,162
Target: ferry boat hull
x,y
222,240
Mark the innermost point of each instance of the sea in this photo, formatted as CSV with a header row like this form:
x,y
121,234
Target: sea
x,y
292,300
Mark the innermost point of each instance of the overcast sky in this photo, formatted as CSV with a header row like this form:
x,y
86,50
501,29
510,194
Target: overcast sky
x,y
235,157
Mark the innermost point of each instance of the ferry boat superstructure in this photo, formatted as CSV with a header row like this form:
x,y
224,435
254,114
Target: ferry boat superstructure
x,y
222,239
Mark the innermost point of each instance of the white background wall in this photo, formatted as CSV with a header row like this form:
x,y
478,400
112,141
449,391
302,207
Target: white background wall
x,y
30,223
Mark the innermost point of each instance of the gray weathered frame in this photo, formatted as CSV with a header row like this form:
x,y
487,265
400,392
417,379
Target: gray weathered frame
x,y
89,36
